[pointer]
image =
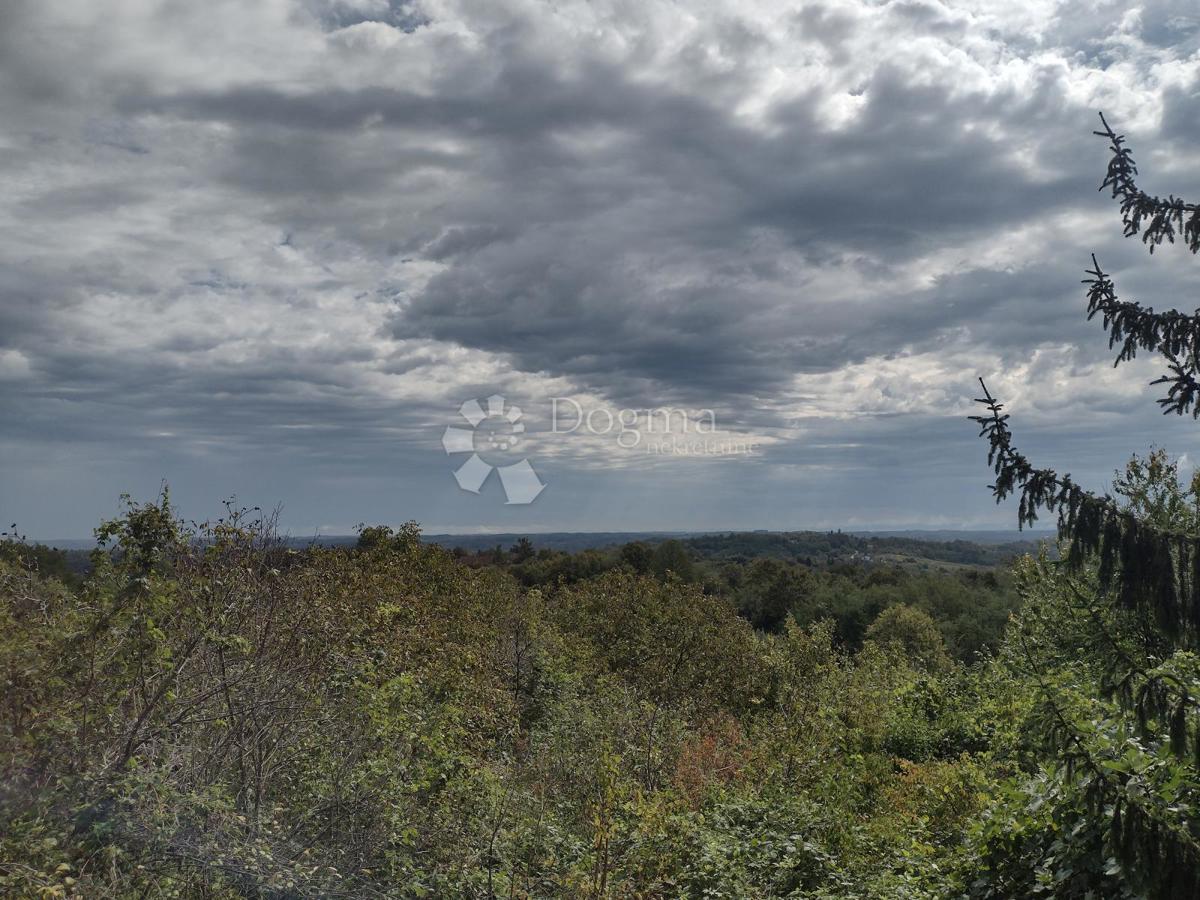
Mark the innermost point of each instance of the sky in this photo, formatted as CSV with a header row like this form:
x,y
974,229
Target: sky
x,y
268,251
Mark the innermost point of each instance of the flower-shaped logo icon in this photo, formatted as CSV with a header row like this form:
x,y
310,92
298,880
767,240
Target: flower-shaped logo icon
x,y
492,439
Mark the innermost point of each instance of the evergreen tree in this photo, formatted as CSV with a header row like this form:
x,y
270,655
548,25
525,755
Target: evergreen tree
x,y
1141,563
1109,635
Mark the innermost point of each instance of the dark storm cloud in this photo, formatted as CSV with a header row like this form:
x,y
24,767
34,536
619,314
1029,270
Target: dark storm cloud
x,y
654,251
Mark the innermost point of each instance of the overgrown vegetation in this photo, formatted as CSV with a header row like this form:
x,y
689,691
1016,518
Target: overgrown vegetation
x,y
213,714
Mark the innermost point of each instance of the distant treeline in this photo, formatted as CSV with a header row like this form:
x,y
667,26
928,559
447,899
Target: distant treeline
x,y
834,576
826,547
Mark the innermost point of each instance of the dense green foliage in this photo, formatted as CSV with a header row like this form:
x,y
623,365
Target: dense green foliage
x,y
969,606
1113,809
824,548
213,714
813,548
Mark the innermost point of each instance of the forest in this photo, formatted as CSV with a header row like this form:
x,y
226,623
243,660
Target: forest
x,y
212,713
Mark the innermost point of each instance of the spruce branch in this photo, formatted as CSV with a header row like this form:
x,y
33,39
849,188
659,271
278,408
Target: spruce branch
x,y
1134,327
1141,566
1157,219
1143,831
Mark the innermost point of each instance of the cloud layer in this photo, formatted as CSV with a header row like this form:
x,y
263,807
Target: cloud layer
x,y
268,248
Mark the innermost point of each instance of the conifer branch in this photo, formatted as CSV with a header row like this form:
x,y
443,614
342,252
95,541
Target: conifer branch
x,y
1142,832
1174,334
1141,566
1155,218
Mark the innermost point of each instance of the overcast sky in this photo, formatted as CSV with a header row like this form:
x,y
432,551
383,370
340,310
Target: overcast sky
x,y
267,249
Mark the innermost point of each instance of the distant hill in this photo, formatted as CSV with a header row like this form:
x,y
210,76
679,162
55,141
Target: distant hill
x,y
820,548
975,537
910,548
567,541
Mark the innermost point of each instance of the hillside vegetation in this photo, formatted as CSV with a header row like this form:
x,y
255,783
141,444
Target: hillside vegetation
x,y
213,714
